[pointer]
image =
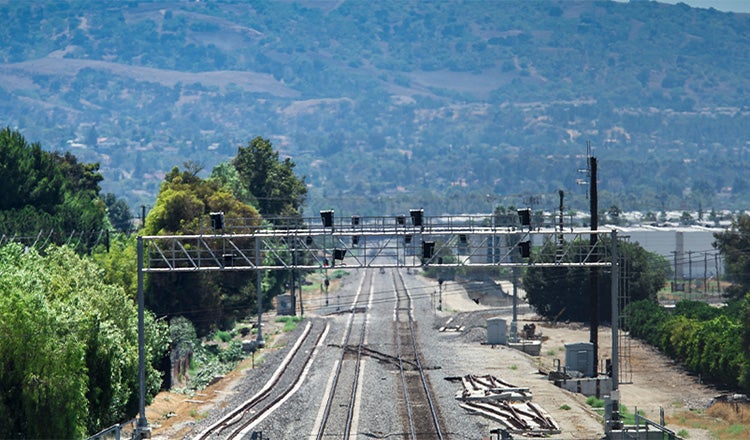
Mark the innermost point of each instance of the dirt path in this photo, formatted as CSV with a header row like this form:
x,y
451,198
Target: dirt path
x,y
655,381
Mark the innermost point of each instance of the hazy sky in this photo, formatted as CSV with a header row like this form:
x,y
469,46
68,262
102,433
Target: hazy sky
x,y
720,5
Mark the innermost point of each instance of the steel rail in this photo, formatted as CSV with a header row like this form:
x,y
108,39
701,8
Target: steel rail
x,y
420,369
357,365
404,389
235,416
422,376
337,374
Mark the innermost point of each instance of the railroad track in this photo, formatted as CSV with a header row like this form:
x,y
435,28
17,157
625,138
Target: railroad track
x,y
421,418
287,378
338,414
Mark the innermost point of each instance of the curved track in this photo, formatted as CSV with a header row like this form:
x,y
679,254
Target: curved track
x,y
285,381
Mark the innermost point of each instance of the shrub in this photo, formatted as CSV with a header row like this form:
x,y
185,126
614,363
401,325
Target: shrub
x,y
223,336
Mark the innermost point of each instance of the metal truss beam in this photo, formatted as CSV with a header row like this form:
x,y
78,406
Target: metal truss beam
x,y
374,247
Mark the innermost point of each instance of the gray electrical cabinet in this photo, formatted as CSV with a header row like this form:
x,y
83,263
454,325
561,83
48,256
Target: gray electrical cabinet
x,y
579,356
497,330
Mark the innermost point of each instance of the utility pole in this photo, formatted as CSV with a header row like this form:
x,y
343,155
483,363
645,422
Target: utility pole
x,y
594,272
690,273
294,280
615,422
259,288
440,297
562,213
561,225
293,299
514,323
705,273
718,278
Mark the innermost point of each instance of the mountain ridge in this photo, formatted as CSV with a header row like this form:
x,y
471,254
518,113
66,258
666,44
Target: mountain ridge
x,y
394,105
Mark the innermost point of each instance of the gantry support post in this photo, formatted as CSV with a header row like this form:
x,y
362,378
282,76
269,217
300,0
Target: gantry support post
x,y
142,429
615,422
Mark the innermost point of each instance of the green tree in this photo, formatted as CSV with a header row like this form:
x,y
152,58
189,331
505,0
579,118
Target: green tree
x,y
614,212
276,190
744,318
563,292
185,200
208,299
69,350
709,341
733,244
44,191
228,176
30,175
118,213
119,263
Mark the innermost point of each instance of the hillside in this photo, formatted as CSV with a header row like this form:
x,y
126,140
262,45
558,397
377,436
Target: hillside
x,y
453,106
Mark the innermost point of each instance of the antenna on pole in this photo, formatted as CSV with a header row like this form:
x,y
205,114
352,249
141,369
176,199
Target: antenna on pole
x,y
586,171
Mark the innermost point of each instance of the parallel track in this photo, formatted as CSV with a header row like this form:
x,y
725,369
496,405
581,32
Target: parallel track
x,y
422,418
233,424
330,424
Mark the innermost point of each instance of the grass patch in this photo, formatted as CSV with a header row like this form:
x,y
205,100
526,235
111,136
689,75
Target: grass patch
x,y
683,433
718,429
736,430
290,322
514,367
593,402
723,422
313,287
565,407
339,273
195,414
628,417
550,352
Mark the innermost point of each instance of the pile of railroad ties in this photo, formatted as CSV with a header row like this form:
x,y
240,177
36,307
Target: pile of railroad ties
x,y
505,403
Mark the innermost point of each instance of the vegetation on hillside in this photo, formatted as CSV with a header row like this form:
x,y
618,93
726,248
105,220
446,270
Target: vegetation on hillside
x,y
395,105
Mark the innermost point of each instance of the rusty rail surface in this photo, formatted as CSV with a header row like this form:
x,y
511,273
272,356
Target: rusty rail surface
x,y
421,425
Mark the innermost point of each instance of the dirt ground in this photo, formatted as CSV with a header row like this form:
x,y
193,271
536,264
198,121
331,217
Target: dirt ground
x,y
654,382
172,415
